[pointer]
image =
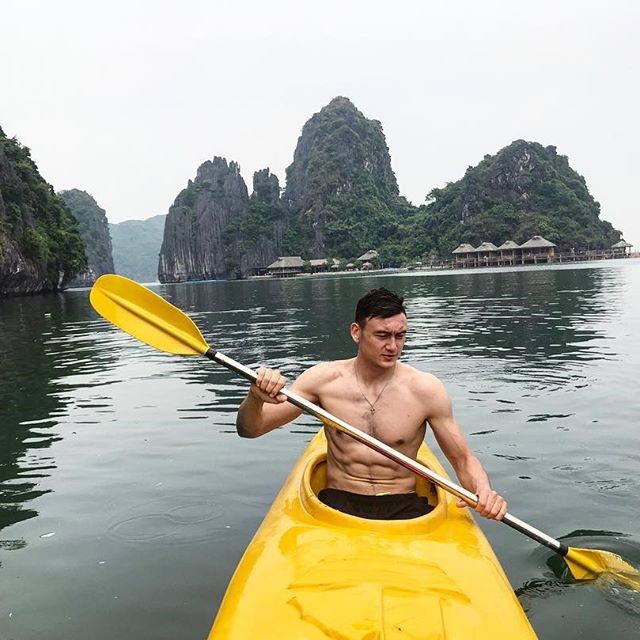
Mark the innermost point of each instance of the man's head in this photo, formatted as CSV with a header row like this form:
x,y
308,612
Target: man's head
x,y
378,303
380,328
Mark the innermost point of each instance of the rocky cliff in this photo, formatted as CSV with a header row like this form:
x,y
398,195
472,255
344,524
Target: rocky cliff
x,y
341,190
214,230
194,246
525,189
136,246
264,233
94,229
40,244
342,199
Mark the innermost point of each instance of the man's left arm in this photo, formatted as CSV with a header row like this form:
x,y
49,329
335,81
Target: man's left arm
x,y
468,468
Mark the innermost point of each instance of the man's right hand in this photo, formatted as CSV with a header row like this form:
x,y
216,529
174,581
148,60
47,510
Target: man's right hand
x,y
268,385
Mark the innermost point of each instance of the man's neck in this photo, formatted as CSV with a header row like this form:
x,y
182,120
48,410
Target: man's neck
x,y
371,374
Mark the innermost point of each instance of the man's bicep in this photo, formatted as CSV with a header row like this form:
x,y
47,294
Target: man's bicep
x,y
446,429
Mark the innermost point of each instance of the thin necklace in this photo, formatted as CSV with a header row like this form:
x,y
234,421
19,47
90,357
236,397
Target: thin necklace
x,y
372,405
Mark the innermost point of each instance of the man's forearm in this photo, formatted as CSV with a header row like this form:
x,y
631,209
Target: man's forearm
x,y
249,419
471,473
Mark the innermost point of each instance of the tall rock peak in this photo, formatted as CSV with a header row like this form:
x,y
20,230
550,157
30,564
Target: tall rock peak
x,y
266,187
340,154
40,244
94,229
217,169
194,245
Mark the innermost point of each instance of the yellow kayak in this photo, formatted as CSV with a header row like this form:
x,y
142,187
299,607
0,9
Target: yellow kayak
x,y
312,572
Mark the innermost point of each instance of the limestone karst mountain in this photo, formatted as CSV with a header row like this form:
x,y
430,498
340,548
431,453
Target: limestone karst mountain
x,y
195,245
341,189
136,246
94,229
40,244
525,189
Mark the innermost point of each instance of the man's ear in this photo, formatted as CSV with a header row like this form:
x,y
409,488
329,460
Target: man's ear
x,y
355,332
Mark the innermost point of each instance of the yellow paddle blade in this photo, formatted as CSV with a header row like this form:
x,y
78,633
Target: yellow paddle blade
x,y
587,564
146,316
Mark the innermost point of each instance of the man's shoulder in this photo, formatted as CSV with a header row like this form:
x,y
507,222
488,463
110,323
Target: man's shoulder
x,y
325,372
421,381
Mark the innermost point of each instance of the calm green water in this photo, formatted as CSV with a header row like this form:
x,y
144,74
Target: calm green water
x,y
126,499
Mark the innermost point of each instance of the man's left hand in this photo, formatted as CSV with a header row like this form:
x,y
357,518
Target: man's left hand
x,y
490,504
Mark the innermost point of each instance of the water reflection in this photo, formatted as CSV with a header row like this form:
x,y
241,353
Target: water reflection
x,y
539,325
43,341
536,328
536,362
540,328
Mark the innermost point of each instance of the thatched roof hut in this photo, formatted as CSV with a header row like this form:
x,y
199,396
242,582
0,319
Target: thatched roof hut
x,y
537,242
287,262
369,255
463,248
509,245
486,246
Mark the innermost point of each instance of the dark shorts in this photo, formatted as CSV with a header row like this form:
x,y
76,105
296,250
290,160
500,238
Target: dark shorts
x,y
393,506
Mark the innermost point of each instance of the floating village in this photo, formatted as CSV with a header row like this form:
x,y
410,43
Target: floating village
x,y
536,250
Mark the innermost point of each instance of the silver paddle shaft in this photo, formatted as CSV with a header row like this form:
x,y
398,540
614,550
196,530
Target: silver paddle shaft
x,y
385,450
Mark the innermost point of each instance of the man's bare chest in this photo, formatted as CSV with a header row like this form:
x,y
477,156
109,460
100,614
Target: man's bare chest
x,y
395,417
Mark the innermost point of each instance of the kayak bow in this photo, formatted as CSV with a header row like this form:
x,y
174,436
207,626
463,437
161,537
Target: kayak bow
x,y
312,572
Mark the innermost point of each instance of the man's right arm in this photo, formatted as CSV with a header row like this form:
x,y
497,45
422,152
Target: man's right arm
x,y
265,408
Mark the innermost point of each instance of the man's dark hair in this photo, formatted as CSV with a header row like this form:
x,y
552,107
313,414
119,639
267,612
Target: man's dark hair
x,y
378,303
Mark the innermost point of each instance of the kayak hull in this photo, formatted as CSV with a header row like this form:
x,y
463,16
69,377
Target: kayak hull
x,y
312,573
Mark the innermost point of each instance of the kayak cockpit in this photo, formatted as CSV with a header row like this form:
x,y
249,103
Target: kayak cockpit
x,y
314,479
312,572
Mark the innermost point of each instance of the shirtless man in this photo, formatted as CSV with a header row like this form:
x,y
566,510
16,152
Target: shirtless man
x,y
383,397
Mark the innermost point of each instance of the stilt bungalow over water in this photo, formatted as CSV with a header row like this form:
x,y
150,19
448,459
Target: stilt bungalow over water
x,y
622,248
535,250
322,265
286,266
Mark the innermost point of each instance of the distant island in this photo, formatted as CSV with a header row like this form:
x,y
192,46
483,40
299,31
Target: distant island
x,y
340,200
94,229
41,248
136,245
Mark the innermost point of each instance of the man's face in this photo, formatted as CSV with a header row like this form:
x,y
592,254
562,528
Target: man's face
x,y
381,340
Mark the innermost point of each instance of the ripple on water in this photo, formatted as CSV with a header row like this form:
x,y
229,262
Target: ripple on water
x,y
559,583
191,520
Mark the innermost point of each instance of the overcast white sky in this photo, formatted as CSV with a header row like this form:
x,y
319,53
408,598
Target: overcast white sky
x,y
126,99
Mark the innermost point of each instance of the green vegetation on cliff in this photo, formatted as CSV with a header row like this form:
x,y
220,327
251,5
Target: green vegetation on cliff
x,y
94,229
40,244
524,190
342,199
264,211
341,190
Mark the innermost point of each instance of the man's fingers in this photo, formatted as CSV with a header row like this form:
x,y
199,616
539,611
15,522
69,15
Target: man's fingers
x,y
491,505
503,510
268,385
275,384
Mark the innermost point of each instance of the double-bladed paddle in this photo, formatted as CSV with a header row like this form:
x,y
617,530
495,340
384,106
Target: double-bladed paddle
x,y
151,319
